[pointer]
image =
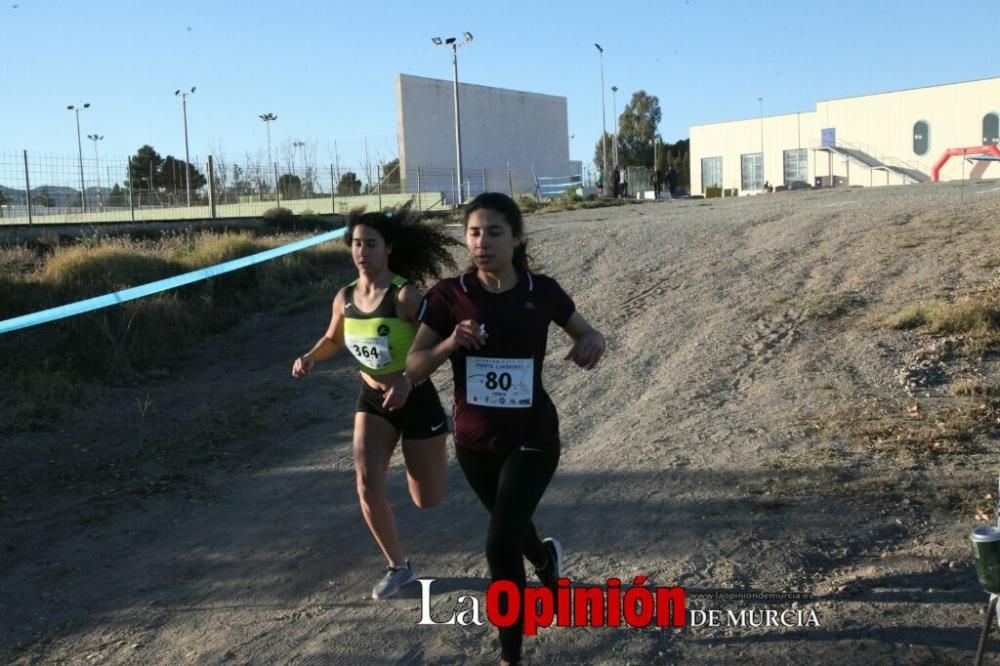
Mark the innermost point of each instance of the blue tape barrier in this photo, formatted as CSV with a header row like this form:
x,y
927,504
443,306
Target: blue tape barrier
x,y
98,302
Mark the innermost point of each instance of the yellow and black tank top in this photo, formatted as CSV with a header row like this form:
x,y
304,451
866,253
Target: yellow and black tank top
x,y
378,339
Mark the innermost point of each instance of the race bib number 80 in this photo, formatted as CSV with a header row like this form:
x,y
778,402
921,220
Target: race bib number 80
x,y
499,382
372,353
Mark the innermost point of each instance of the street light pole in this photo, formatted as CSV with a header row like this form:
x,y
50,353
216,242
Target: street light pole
x,y
79,147
604,122
187,157
295,147
614,106
268,118
97,161
454,44
761,100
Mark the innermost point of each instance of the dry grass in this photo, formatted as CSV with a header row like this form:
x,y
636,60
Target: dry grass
x,y
976,318
568,202
113,345
909,431
975,387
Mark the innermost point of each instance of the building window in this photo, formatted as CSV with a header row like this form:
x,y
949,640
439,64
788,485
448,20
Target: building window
x,y
753,171
991,129
796,167
921,137
711,172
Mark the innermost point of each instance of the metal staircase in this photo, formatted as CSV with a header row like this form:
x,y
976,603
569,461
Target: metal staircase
x,y
870,162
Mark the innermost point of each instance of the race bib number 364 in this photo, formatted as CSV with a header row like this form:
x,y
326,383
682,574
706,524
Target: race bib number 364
x,y
499,382
371,352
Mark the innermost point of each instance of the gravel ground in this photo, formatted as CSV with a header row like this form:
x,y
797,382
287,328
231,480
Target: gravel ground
x,y
712,449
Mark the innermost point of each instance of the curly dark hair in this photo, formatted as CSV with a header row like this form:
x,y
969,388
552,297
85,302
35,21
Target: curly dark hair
x,y
420,251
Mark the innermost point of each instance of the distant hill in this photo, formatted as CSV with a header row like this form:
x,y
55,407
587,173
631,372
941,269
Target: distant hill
x,y
59,196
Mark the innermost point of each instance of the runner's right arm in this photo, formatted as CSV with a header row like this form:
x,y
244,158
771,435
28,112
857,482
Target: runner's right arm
x,y
429,350
328,345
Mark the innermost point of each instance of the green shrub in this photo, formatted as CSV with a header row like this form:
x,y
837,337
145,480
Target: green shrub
x,y
528,203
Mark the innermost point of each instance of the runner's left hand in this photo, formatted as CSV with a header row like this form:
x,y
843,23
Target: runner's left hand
x,y
399,391
587,350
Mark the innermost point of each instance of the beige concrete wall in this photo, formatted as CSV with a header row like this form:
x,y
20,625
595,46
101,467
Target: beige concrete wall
x,y
731,140
881,125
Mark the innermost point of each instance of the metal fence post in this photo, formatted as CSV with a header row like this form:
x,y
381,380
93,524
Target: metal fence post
x,y
211,186
510,181
454,180
333,192
277,194
27,186
484,181
378,172
419,202
131,191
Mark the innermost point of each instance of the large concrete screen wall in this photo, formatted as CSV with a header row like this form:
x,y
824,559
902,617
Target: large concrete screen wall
x,y
527,132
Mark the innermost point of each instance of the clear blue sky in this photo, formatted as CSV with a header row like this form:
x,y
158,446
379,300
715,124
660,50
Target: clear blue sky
x,y
327,68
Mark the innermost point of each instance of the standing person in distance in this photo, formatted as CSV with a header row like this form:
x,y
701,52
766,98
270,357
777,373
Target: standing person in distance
x,y
375,318
492,323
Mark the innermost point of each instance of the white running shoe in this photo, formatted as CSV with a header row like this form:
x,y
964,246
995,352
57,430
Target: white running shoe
x,y
395,578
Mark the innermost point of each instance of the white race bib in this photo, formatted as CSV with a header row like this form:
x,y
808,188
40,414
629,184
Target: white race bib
x,y
372,353
499,382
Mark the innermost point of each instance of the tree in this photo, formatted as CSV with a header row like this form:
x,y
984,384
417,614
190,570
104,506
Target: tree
x,y
599,153
117,198
391,176
146,165
349,185
637,128
290,186
152,172
172,174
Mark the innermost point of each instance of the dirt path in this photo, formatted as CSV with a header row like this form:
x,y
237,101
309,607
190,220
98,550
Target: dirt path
x,y
209,515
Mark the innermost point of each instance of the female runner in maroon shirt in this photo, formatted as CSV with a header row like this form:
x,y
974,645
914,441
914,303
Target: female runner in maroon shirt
x,y
492,323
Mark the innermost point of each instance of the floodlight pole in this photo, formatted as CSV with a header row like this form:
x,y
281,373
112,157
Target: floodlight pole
x,y
604,123
79,147
614,106
268,118
761,100
454,44
458,125
187,157
97,161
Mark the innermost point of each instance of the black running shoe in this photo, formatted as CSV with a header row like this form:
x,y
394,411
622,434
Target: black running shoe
x,y
549,574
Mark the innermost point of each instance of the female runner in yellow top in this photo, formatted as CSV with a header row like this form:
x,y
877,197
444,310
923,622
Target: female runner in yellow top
x,y
374,317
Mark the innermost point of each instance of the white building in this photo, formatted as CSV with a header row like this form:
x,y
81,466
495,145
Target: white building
x,y
882,139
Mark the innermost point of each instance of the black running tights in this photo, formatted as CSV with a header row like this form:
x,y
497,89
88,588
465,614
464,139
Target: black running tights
x,y
510,483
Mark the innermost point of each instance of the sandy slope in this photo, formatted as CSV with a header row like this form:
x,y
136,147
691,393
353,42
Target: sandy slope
x,y
232,533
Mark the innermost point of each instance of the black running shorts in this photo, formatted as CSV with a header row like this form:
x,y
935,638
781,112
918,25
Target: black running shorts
x,y
421,417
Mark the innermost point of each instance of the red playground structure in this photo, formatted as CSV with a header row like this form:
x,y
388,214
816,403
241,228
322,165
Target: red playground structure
x,y
990,149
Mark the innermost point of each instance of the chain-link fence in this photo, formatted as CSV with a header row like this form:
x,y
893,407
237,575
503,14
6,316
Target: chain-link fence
x,y
37,189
